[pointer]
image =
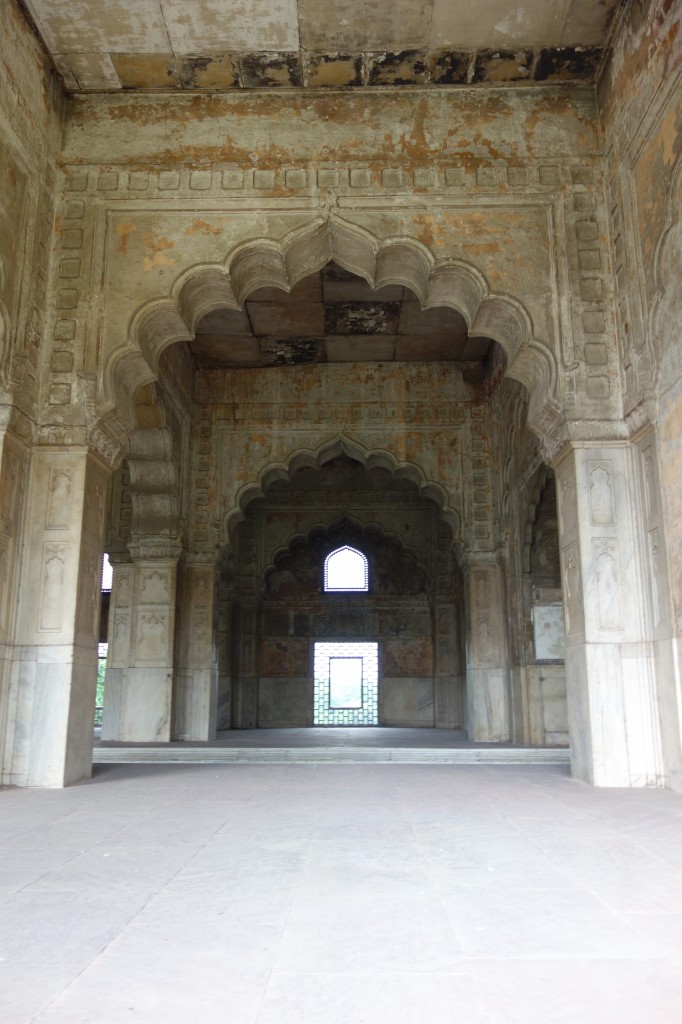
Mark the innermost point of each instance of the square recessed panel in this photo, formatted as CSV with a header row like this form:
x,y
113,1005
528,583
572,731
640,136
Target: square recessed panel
x,y
291,351
361,317
147,70
286,319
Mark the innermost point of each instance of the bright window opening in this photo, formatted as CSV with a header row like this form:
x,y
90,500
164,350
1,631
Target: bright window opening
x,y
107,573
346,683
346,569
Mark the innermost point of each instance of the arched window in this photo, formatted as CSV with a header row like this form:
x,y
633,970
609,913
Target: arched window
x,y
346,569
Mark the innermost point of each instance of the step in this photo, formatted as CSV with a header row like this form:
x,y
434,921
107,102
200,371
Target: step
x,y
330,755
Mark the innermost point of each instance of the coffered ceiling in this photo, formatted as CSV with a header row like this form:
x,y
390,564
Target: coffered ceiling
x,y
334,316
242,44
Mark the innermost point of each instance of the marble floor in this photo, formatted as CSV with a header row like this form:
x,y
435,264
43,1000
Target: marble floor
x,y
340,894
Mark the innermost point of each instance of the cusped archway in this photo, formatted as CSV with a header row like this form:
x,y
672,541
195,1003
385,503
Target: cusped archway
x,y
267,263
281,608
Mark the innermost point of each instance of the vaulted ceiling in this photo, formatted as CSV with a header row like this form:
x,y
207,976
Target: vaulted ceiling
x,y
334,316
242,44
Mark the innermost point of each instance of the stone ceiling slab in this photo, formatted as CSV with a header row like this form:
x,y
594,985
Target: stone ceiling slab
x,y
337,24
360,348
214,45
286,319
497,23
213,26
105,26
333,316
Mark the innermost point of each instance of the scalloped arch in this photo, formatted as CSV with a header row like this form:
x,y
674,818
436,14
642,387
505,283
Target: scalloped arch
x,y
266,262
315,459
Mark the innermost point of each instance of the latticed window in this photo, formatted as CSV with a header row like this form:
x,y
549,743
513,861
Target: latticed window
x,y
346,568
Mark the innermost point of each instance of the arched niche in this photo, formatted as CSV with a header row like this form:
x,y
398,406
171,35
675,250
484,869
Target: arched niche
x,y
276,556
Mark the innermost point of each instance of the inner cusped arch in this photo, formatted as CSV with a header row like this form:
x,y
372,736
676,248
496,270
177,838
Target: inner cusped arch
x,y
372,460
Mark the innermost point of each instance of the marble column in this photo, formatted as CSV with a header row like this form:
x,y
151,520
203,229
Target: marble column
x,y
54,670
13,477
245,681
488,701
196,672
447,683
138,688
610,671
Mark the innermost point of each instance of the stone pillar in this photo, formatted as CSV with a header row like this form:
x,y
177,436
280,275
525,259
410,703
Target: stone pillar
x,y
54,672
488,704
196,674
447,680
13,477
225,658
245,681
138,689
118,644
613,722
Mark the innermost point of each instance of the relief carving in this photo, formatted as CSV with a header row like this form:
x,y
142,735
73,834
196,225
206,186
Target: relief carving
x,y
59,500
655,575
88,614
649,478
11,477
199,638
155,589
607,575
120,642
123,591
94,507
4,579
602,511
567,503
151,641
200,590
51,598
572,590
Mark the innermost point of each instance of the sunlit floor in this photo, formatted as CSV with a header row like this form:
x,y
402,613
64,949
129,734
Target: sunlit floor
x,y
317,894
332,736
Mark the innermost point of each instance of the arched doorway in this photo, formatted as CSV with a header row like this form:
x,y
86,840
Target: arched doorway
x,y
277,578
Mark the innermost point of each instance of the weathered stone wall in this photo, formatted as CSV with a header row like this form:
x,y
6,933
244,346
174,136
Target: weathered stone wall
x,y
490,201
